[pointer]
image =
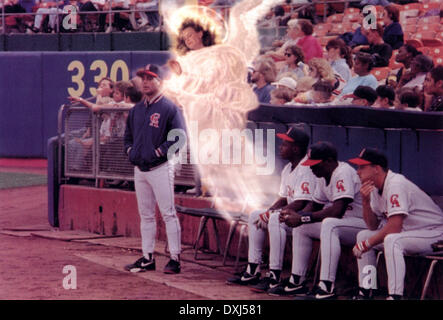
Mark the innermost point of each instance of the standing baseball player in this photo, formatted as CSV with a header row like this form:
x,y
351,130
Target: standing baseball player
x,y
334,216
296,187
147,127
401,218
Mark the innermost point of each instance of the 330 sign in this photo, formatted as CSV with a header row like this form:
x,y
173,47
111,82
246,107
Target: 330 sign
x,y
99,69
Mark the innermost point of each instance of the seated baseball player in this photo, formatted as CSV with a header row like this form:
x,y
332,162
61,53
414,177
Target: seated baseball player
x,y
401,219
334,216
297,184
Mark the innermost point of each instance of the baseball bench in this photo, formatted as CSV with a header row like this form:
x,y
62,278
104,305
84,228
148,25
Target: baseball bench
x,y
234,218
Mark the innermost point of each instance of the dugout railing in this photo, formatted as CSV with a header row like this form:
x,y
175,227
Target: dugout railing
x,y
91,146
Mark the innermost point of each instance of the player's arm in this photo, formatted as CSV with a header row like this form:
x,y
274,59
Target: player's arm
x,y
369,216
293,218
297,205
337,210
279,203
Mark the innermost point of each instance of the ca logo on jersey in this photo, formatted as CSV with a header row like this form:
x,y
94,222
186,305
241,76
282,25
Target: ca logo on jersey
x,y
305,188
154,120
340,186
394,201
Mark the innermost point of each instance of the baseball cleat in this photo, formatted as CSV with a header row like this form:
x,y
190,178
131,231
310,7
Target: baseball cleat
x,y
394,297
141,265
250,276
363,294
172,267
322,292
267,283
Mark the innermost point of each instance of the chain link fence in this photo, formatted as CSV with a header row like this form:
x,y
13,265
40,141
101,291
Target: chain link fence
x,y
94,146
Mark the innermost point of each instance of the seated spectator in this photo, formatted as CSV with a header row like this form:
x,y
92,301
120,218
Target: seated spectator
x,y
119,20
294,62
404,56
386,97
356,38
380,50
307,42
320,69
275,18
364,96
303,92
420,66
393,32
14,23
364,3
264,73
87,19
280,96
149,15
47,7
322,93
407,99
287,83
363,64
433,90
340,58
292,34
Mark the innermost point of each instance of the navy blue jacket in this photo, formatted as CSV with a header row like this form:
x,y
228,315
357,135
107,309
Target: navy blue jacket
x,y
147,128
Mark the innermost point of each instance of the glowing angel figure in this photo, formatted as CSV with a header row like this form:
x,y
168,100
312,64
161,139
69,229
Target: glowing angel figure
x,y
210,82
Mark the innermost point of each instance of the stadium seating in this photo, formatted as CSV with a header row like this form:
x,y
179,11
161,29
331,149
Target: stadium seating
x,y
381,73
432,42
335,18
322,29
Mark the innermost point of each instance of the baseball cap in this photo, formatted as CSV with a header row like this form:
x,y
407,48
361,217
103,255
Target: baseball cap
x,y
295,135
320,151
150,69
286,82
370,156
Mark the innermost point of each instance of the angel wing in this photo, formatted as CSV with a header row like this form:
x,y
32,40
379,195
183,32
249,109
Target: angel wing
x,y
243,20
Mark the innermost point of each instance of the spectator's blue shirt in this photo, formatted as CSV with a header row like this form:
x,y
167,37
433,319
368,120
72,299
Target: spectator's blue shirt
x,y
264,94
358,38
368,80
393,35
341,67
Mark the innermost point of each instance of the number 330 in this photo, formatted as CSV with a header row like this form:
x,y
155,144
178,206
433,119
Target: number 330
x,y
100,65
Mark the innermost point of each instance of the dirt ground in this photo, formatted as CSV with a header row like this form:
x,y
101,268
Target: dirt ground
x,y
32,267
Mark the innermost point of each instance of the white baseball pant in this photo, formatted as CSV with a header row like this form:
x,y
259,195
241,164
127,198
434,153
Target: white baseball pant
x,y
151,187
277,241
332,233
256,237
395,246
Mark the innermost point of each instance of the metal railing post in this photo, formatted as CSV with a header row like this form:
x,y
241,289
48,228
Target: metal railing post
x,y
3,17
